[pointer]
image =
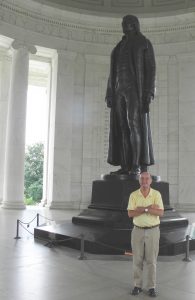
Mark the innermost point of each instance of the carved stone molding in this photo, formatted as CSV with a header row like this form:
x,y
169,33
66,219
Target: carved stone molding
x,y
68,55
75,27
119,7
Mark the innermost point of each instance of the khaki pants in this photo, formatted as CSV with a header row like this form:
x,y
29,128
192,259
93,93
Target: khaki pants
x,y
145,247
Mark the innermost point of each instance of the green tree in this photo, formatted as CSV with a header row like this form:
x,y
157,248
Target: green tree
x,y
33,181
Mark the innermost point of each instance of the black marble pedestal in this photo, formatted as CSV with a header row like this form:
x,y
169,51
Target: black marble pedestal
x,y
105,225
110,198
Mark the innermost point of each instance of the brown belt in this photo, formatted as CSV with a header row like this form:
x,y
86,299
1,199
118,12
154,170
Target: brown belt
x,y
147,227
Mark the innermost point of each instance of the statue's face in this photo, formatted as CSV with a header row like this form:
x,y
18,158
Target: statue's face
x,y
128,26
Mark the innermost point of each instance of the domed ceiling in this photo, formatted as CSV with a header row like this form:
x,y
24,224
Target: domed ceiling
x,y
122,7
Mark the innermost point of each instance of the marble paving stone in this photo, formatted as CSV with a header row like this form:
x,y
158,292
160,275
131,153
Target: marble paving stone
x,y
29,270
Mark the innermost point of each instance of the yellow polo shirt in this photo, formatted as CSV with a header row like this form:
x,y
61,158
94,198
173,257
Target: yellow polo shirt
x,y
137,199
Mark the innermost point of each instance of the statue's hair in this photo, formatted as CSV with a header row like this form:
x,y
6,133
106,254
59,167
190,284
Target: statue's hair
x,y
133,20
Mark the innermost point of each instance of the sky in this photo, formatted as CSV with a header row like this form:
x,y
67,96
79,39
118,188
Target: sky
x,y
36,121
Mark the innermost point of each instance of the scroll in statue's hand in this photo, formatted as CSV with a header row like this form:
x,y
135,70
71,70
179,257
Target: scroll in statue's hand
x,y
146,108
146,102
109,102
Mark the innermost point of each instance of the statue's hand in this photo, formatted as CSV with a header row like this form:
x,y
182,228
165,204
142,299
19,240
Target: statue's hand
x,y
109,102
146,102
146,107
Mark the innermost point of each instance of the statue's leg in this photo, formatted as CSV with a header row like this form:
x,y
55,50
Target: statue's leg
x,y
121,112
144,168
133,115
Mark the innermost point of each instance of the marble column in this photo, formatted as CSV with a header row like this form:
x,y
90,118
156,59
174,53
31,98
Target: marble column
x,y
13,194
5,71
46,142
60,136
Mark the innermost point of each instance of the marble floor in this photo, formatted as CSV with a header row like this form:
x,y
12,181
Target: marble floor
x,y
29,270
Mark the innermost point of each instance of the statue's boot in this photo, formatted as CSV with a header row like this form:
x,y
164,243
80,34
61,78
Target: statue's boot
x,y
144,168
120,172
135,170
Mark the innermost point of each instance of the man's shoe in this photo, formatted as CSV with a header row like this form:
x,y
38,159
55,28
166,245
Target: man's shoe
x,y
152,292
136,290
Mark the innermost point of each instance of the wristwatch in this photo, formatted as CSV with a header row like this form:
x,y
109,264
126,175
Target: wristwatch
x,y
146,210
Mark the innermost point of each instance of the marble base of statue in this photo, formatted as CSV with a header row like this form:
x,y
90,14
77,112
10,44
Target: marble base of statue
x,y
105,226
108,208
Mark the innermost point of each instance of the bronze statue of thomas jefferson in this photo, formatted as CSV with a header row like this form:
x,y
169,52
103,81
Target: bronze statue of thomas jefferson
x,y
129,92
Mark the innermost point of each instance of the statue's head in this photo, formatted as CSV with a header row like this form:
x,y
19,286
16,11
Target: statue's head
x,y
130,23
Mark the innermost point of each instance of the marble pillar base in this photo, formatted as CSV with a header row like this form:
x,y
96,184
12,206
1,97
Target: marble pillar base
x,y
13,205
63,205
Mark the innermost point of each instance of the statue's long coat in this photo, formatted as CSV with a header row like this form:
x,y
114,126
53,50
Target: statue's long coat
x,y
144,68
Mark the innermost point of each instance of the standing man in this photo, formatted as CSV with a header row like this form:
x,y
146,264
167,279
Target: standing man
x,y
145,207
129,93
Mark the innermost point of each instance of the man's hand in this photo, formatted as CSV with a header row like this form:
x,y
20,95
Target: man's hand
x,y
136,212
154,206
155,210
140,209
